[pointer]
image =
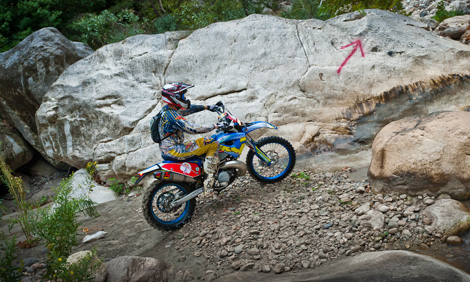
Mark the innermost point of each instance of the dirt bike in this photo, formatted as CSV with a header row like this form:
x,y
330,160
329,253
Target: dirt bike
x,y
170,203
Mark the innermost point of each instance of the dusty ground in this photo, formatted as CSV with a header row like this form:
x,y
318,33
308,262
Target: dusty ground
x,y
129,234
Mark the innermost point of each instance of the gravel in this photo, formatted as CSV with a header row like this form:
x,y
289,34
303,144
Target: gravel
x,y
302,222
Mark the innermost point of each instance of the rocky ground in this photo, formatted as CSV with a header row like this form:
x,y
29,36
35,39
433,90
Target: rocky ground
x,y
428,8
303,222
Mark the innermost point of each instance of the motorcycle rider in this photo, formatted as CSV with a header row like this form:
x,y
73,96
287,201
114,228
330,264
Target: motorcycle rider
x,y
173,125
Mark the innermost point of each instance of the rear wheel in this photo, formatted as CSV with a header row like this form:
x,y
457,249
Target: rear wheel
x,y
157,207
282,156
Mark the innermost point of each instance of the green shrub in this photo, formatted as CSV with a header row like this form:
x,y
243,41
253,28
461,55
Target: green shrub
x,y
82,270
305,9
442,14
57,225
164,24
8,271
106,28
19,18
15,187
121,188
194,14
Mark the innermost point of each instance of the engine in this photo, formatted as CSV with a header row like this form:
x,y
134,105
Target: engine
x,y
224,176
228,172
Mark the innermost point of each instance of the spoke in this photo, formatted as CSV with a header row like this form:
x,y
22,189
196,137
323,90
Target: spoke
x,y
279,157
162,200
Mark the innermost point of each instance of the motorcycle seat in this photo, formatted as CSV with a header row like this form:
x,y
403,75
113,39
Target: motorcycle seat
x,y
195,158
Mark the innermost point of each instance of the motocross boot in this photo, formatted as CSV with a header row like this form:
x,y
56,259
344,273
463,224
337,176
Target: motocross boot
x,y
210,167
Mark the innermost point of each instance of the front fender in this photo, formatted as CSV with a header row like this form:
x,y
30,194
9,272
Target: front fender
x,y
257,125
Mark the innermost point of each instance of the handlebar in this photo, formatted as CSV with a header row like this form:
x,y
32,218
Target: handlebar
x,y
221,107
226,121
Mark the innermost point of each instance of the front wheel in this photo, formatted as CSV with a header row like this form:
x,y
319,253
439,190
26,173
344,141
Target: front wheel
x,y
157,208
282,156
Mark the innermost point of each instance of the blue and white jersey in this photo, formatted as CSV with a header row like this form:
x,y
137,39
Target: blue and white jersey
x,y
173,123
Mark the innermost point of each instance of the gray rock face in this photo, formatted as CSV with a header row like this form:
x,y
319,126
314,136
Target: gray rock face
x,y
100,106
375,266
425,9
263,67
423,155
448,217
26,73
453,32
454,27
13,147
133,269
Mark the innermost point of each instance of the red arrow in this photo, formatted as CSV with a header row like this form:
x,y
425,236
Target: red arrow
x,y
356,44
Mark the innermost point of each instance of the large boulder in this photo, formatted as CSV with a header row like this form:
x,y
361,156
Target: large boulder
x,y
134,269
448,217
84,186
263,67
454,27
26,73
101,105
423,155
13,147
374,267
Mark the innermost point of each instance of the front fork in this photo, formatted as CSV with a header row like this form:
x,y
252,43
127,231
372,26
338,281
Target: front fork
x,y
252,145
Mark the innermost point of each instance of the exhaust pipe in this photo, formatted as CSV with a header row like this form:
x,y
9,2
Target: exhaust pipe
x,y
238,165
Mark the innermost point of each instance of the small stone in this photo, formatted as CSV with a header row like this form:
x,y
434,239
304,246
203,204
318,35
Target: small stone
x,y
409,211
393,223
38,265
454,240
429,229
266,268
355,248
388,199
223,253
30,261
247,266
363,209
429,201
29,269
384,208
224,241
238,249
305,264
328,225
348,236
237,264
406,233
210,275
279,268
393,231
427,221
253,251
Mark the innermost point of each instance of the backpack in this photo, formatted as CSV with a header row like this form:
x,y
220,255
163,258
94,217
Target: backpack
x,y
154,129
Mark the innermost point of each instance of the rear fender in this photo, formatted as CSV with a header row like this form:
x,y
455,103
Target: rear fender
x,y
145,172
